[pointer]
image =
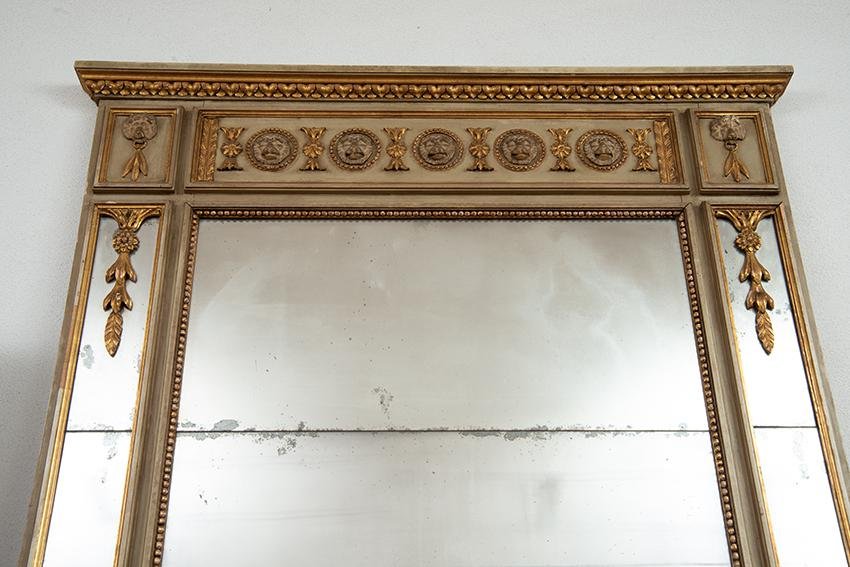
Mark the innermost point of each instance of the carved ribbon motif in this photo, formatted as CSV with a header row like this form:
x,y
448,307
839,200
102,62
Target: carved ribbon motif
x,y
748,242
729,130
139,129
124,242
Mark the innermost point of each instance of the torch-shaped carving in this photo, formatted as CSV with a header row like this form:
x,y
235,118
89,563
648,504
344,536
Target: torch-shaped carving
x,y
748,242
124,242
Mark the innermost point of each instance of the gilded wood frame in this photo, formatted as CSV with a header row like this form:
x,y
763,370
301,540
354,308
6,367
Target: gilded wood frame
x,y
212,91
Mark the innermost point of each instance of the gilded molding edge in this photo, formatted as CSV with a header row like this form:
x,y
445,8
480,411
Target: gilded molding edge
x,y
120,80
677,215
665,152
707,378
124,242
833,467
748,242
207,143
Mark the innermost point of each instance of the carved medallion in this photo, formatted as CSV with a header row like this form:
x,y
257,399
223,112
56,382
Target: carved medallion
x,y
730,130
437,149
602,150
139,129
271,149
520,150
355,149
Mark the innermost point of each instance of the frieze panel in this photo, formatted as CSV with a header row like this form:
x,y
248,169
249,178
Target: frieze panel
x,y
138,149
313,148
732,152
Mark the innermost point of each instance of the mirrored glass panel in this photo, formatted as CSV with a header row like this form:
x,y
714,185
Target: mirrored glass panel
x,y
796,487
462,324
84,527
105,387
448,499
802,514
776,387
442,393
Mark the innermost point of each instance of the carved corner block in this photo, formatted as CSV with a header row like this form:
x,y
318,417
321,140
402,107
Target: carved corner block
x,y
732,152
138,149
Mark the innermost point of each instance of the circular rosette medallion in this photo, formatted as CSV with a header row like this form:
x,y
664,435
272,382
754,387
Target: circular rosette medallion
x,y
520,150
271,149
437,149
602,150
355,149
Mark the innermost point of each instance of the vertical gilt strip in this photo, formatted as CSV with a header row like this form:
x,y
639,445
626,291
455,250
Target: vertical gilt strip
x,y
207,144
714,427
666,152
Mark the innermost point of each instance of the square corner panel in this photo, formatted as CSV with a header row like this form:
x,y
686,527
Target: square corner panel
x,y
138,149
732,152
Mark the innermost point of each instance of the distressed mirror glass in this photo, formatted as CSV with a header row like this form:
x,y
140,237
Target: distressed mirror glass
x,y
442,393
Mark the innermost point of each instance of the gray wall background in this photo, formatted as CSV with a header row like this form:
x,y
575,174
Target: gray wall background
x,y
47,125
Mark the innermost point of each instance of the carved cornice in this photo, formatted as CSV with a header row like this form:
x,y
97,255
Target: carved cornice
x,y
113,80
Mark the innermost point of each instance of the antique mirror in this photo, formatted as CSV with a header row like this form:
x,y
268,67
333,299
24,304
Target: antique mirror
x,y
437,317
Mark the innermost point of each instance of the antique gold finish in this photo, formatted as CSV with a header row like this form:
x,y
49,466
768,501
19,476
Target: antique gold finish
x,y
313,149
139,129
125,242
204,164
68,374
449,214
373,120
748,242
708,390
396,149
729,130
673,106
561,149
231,149
479,149
839,492
602,150
710,172
641,149
437,149
271,149
355,149
520,150
103,80
665,147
